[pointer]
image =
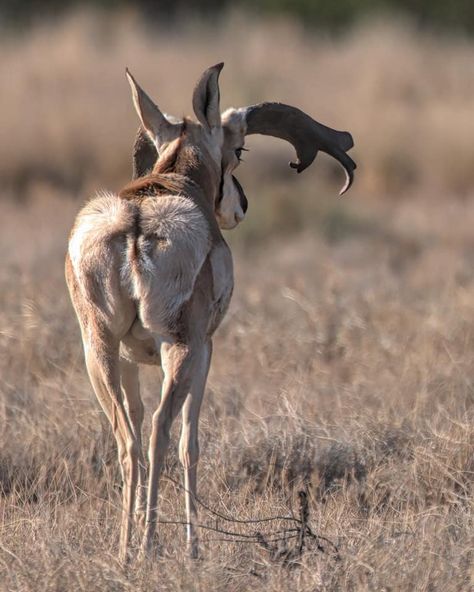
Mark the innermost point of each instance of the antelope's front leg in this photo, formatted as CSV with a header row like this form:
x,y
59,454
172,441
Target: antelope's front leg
x,y
177,364
189,445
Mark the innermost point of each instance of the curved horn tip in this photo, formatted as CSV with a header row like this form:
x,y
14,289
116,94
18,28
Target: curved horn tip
x,y
130,77
348,183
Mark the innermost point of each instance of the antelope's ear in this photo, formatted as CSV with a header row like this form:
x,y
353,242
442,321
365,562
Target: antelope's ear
x,y
206,98
153,121
144,155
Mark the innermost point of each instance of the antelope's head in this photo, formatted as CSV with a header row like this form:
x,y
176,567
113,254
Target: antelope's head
x,y
221,138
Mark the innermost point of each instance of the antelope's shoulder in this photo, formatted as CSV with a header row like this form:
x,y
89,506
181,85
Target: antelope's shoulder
x,y
173,238
174,221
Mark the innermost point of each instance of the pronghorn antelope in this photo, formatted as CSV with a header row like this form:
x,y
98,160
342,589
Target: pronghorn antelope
x,y
150,275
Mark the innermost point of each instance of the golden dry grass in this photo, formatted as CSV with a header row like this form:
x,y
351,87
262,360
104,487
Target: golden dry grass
x,y
345,364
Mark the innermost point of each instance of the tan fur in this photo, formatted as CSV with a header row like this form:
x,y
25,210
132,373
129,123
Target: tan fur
x,y
153,185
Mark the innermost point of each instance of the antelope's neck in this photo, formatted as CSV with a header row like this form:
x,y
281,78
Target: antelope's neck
x,y
204,173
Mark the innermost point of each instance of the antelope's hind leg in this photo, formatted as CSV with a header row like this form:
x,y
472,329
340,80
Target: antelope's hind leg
x,y
135,411
103,366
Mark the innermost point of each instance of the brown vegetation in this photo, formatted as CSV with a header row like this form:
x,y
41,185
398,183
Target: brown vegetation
x,y
345,365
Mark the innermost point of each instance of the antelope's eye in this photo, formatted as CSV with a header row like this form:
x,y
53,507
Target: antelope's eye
x,y
238,153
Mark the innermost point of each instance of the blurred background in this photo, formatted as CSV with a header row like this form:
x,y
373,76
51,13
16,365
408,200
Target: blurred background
x,y
399,75
345,363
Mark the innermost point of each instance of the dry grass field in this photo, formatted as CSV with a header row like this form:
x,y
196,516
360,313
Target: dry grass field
x,y
345,366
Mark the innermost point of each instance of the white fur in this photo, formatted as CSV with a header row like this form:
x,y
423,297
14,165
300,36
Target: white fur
x,y
229,213
236,120
170,253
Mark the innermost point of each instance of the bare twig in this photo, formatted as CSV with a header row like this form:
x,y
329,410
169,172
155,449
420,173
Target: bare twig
x,y
274,542
276,546
232,518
